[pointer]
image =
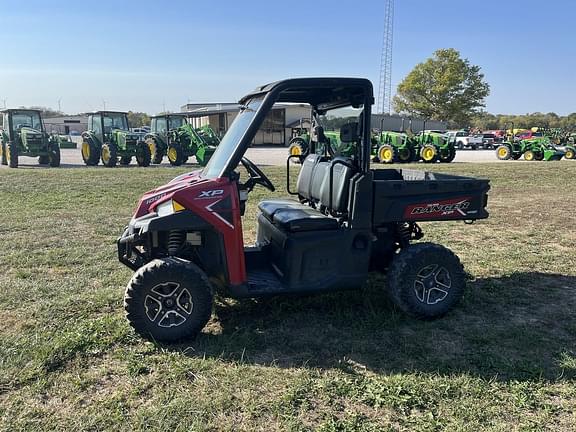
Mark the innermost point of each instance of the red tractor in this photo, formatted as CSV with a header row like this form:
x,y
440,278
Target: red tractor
x,y
346,220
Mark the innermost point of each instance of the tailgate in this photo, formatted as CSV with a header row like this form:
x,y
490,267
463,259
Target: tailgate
x,y
410,195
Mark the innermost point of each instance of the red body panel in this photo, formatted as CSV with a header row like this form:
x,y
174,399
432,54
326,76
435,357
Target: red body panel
x,y
214,200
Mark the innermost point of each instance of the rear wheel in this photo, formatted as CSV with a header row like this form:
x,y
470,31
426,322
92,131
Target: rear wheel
x,y
539,156
168,299
12,154
175,154
387,154
156,152
3,160
405,154
428,153
449,155
143,156
426,280
90,152
503,152
109,155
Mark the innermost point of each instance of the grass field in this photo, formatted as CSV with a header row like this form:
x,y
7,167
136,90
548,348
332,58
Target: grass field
x,y
505,360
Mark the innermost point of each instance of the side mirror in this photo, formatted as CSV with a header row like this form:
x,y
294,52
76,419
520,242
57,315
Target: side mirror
x,y
349,132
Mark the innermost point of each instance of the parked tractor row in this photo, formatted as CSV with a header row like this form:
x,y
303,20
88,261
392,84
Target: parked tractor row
x,y
110,140
547,145
387,146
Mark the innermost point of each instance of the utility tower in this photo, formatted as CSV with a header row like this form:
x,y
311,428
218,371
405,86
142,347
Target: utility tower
x,y
384,102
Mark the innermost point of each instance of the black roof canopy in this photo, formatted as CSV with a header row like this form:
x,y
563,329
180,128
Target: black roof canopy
x,y
322,93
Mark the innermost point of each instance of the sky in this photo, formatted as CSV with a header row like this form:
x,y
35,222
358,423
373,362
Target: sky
x,y
153,56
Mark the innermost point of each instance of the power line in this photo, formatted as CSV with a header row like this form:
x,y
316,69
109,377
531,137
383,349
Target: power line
x,y
384,103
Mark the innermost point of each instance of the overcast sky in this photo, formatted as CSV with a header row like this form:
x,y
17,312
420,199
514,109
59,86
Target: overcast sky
x,y
147,55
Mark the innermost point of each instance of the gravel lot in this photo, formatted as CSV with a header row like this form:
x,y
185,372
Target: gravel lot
x,y
262,156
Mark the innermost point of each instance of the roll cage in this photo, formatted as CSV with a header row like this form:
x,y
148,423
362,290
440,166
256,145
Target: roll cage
x,y
323,94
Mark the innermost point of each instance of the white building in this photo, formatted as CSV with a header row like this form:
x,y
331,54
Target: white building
x,y
65,125
276,129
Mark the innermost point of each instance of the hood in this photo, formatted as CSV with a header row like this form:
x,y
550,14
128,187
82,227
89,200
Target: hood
x,y
152,198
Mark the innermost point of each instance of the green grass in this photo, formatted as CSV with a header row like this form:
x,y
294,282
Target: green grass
x,y
504,360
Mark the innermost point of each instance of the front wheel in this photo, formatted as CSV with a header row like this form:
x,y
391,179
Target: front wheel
x,y
529,155
429,153
426,280
168,300
387,154
570,153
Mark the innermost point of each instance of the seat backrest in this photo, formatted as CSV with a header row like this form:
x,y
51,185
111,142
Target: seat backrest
x,y
320,173
341,175
306,175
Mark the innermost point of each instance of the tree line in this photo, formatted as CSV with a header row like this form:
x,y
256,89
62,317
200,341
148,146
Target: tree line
x,y
487,121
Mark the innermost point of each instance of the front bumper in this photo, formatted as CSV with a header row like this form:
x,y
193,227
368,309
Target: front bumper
x,y
133,245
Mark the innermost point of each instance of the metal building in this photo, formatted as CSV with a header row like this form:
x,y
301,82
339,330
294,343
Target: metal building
x,y
398,123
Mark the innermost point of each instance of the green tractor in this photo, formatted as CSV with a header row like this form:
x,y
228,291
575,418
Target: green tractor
x,y
300,140
23,134
389,146
109,139
434,146
538,148
172,135
300,143
541,148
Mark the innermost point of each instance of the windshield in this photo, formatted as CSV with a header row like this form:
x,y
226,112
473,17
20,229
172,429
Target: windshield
x,y
231,140
30,119
114,121
175,122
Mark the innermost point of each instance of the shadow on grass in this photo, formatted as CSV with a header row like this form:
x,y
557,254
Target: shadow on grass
x,y
519,327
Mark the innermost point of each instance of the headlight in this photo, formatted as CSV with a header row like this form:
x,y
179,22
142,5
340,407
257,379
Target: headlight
x,y
169,207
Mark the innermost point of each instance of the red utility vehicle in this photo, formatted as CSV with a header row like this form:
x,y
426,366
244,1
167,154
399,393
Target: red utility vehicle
x,y
185,240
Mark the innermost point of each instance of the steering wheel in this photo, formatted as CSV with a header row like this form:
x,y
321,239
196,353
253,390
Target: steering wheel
x,y
256,176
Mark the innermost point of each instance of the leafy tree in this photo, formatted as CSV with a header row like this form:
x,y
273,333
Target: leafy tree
x,y
138,119
444,87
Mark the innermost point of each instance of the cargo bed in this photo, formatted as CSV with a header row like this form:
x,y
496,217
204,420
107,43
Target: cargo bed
x,y
403,195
